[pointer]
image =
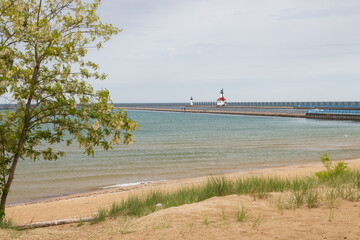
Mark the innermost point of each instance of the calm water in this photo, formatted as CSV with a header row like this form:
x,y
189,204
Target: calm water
x,y
177,145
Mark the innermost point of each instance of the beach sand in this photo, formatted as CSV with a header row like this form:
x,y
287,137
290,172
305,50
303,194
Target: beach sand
x,y
214,218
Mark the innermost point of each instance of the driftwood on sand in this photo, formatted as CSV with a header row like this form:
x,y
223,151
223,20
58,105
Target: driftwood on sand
x,y
53,223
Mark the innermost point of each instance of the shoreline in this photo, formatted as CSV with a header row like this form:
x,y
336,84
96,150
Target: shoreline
x,y
134,185
85,204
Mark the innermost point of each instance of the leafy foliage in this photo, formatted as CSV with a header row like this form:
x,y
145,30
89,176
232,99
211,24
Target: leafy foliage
x,y
43,70
331,170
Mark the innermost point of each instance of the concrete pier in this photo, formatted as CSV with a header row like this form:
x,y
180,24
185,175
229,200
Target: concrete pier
x,y
353,115
221,111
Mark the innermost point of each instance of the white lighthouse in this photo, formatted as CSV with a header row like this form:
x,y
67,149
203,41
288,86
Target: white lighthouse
x,y
221,100
191,101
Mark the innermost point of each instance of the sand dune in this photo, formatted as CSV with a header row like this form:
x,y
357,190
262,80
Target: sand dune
x,y
214,218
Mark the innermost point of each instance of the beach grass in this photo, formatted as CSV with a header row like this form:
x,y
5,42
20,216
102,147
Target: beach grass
x,y
100,216
241,215
312,198
298,192
8,224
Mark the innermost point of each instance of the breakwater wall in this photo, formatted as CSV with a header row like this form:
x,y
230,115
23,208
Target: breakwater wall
x,y
353,115
325,114
220,111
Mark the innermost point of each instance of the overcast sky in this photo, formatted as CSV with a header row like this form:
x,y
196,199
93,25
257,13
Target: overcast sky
x,y
257,50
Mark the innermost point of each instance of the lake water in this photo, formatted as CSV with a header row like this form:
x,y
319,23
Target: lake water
x,y
179,145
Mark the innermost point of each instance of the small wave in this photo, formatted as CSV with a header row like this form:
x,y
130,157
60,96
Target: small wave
x,y
125,185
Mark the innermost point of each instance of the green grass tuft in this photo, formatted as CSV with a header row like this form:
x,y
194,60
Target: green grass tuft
x,y
218,186
241,215
115,210
80,223
331,197
99,216
8,224
298,198
206,222
312,199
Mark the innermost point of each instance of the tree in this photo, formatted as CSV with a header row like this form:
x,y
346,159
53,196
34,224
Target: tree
x,y
43,70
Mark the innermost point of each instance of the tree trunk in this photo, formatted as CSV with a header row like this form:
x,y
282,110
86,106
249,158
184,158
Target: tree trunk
x,y
25,129
6,189
4,194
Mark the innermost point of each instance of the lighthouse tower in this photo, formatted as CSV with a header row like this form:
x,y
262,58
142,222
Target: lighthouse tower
x,y
221,101
191,101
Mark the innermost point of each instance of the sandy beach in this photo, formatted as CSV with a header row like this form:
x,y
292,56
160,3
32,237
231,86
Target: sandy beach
x,y
187,222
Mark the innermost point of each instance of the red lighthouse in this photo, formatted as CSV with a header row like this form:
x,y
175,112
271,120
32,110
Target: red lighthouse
x,y
221,100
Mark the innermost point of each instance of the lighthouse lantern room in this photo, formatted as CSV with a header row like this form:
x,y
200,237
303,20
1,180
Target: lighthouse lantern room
x,y
221,100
